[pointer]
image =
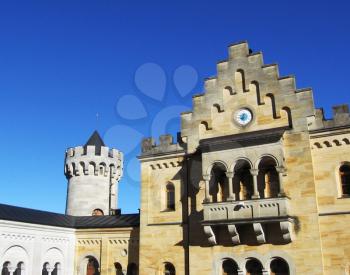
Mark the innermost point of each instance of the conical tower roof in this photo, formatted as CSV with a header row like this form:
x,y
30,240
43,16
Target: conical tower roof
x,y
95,140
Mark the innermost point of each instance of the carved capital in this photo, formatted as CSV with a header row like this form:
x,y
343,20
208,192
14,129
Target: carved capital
x,y
206,177
281,170
254,172
230,175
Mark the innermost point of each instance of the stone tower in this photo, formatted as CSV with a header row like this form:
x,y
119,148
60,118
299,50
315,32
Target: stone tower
x,y
93,172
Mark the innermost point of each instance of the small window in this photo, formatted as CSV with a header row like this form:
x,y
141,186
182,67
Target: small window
x,y
254,267
169,269
170,197
118,269
279,267
97,212
345,180
229,267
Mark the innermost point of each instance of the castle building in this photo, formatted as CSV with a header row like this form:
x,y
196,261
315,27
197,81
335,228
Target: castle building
x,y
257,183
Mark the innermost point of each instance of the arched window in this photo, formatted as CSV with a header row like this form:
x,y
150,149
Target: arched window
x,y
57,269
170,197
268,178
118,269
243,180
345,179
92,267
169,269
132,269
279,267
19,268
45,270
218,183
5,268
254,267
97,212
229,267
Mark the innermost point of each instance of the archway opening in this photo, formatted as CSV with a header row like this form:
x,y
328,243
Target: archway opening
x,y
218,183
19,268
229,267
97,212
57,269
243,181
45,270
118,269
254,267
268,178
169,269
279,266
5,268
93,267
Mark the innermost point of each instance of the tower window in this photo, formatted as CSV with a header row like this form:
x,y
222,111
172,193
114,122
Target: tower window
x,y
97,212
169,269
170,197
345,179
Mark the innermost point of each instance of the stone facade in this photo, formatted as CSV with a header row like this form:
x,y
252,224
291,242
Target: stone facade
x,y
264,193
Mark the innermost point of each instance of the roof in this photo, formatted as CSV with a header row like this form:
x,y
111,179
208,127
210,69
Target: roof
x,y
26,215
97,141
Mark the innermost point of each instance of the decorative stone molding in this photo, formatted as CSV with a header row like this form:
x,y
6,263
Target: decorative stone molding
x,y
234,234
165,165
259,232
287,231
210,234
20,237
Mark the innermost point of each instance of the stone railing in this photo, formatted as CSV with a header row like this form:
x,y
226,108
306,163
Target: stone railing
x,y
249,210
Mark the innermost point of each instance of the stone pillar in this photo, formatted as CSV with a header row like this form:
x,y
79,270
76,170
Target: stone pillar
x,y
229,176
206,178
254,173
281,173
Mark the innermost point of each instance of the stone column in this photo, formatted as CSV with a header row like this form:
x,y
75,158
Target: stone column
x,y
229,176
206,178
281,173
254,173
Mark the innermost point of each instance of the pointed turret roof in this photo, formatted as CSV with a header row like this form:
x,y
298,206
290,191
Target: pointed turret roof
x,y
97,141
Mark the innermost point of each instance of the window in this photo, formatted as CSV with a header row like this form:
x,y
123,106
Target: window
x,y
229,267
45,270
279,267
170,197
92,267
5,269
345,179
254,267
118,269
97,212
169,269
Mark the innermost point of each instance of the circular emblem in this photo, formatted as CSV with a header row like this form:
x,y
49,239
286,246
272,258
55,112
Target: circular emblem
x,y
243,117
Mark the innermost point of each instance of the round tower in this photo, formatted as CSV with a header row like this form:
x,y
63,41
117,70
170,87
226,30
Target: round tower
x,y
93,172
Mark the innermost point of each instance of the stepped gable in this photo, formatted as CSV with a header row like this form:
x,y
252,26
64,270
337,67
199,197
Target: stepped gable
x,y
244,81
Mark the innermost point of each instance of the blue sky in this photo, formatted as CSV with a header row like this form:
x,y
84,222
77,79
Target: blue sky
x,y
61,62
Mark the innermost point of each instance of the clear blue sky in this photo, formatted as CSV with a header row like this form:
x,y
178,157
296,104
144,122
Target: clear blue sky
x,y
61,62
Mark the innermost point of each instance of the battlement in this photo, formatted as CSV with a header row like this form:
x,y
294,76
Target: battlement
x,y
341,117
164,145
93,160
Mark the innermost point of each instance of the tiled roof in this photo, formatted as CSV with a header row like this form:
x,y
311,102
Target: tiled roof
x,y
26,215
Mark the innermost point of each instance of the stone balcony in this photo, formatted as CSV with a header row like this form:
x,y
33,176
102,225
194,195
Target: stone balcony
x,y
255,212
